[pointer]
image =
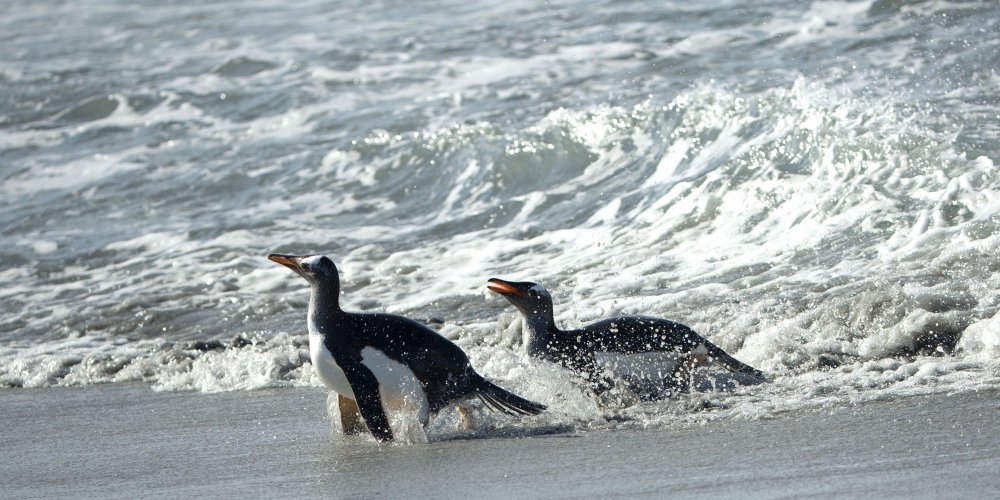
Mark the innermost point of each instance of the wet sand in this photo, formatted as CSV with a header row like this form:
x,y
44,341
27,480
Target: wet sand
x,y
126,441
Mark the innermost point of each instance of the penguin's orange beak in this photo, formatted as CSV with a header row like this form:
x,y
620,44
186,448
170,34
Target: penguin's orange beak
x,y
289,261
502,287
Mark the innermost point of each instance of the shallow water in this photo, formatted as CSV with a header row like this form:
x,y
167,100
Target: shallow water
x,y
122,440
811,185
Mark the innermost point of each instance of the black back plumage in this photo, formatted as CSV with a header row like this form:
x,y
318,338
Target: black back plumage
x,y
642,334
443,368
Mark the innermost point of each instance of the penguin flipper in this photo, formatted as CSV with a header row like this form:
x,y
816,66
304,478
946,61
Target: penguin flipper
x,y
365,388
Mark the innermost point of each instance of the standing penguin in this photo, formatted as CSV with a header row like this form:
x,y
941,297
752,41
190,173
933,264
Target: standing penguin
x,y
575,349
375,359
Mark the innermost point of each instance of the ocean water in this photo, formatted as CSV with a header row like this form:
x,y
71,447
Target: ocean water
x,y
811,185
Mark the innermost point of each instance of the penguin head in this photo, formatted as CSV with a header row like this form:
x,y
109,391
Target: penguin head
x,y
318,270
530,298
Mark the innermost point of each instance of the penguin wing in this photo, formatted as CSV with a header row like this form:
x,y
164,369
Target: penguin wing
x,y
365,387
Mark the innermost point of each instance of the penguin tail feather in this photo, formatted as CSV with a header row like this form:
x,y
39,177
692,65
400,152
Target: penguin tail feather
x,y
731,363
503,401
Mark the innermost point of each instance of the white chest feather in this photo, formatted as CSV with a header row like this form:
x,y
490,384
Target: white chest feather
x,y
327,368
398,386
650,365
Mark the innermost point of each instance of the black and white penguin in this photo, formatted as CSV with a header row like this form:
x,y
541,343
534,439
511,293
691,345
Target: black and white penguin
x,y
575,349
374,359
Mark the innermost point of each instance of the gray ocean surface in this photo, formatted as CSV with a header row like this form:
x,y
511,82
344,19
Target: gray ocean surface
x,y
809,184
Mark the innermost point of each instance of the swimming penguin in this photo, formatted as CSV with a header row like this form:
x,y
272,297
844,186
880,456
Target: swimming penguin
x,y
373,359
575,349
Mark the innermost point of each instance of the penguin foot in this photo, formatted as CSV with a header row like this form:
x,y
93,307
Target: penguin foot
x,y
465,420
350,416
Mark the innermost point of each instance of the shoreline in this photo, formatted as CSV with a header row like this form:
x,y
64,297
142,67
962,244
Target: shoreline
x,y
127,440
